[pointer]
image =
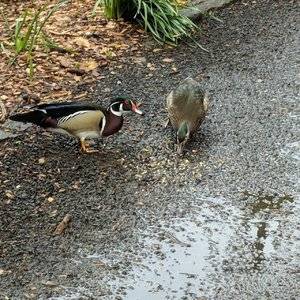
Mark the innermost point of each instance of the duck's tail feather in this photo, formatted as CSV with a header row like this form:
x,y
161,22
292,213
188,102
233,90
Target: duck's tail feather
x,y
36,117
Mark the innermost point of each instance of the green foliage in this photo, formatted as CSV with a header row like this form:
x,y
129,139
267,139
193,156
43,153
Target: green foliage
x,y
160,17
28,30
113,8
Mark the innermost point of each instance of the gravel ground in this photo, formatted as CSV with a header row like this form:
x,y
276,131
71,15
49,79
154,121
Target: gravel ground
x,y
220,223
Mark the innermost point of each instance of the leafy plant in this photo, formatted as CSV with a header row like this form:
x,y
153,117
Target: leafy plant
x,y
27,31
113,8
160,17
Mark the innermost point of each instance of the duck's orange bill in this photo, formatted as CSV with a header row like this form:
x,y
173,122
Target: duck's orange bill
x,y
135,108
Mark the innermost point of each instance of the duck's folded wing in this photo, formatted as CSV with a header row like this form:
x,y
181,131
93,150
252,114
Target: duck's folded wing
x,y
63,109
53,114
83,121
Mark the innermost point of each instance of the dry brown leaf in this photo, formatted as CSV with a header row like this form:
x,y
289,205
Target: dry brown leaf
x,y
88,65
77,78
111,25
95,73
140,60
9,195
82,42
3,112
174,70
65,62
4,97
151,67
50,283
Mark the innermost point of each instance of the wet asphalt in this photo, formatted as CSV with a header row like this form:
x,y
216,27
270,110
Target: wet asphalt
x,y
220,223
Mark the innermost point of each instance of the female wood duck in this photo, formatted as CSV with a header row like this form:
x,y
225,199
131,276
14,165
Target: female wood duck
x,y
187,106
81,120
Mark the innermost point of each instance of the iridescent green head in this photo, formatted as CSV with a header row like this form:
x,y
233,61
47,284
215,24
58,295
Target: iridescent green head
x,y
183,134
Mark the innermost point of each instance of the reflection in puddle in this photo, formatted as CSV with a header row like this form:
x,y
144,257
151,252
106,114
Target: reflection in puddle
x,y
259,245
268,202
257,219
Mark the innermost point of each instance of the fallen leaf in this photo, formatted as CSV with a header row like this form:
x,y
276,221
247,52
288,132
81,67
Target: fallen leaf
x,y
88,65
50,199
77,78
50,283
140,60
174,70
4,97
82,42
110,25
151,66
9,195
53,213
41,160
64,62
76,185
95,73
168,60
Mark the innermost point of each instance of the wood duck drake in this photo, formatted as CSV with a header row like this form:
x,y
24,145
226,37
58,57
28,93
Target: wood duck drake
x,y
187,106
82,120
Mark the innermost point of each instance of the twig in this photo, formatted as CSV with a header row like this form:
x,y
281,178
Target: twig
x,y
175,239
62,225
65,33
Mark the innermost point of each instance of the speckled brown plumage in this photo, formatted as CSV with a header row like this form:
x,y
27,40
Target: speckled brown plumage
x,y
187,106
189,103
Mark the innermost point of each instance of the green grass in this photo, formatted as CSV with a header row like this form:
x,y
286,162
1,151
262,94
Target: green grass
x,y
159,17
28,30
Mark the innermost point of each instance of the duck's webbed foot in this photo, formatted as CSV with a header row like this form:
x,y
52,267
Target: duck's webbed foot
x,y
85,147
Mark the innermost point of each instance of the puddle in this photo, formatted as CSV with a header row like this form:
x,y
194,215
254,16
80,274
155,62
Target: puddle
x,y
187,258
178,264
175,257
215,240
